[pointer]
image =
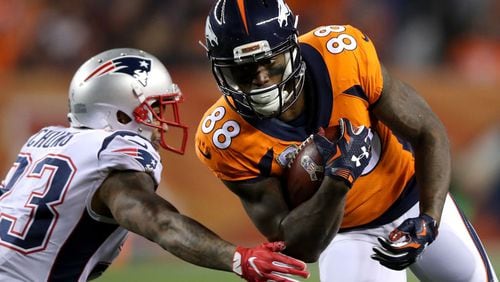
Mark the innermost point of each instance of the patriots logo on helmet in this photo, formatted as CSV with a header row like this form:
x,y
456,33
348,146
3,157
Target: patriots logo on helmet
x,y
137,67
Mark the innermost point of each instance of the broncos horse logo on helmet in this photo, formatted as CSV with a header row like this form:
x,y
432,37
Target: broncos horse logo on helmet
x,y
242,34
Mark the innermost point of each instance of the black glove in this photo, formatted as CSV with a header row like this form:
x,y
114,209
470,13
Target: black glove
x,y
326,148
347,157
406,242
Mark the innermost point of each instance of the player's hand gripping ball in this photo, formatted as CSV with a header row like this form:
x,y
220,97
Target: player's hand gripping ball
x,y
305,170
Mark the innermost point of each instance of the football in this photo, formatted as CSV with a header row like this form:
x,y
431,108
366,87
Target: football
x,y
304,172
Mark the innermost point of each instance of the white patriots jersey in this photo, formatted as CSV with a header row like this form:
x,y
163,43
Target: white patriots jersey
x,y
48,231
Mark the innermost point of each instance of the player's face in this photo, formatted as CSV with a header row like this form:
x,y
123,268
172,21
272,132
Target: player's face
x,y
156,136
253,76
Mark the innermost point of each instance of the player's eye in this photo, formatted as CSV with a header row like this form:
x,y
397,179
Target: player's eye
x,y
276,68
244,74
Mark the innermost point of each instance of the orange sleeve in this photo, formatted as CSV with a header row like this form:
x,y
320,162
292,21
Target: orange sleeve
x,y
370,72
350,57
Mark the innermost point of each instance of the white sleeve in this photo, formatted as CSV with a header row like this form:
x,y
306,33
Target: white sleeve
x,y
125,150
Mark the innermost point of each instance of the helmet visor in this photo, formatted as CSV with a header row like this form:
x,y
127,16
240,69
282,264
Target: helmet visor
x,y
249,76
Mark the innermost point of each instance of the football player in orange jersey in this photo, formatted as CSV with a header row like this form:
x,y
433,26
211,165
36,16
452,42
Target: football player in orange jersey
x,y
383,205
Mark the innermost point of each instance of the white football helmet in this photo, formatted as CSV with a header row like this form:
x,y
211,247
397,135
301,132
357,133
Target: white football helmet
x,y
126,81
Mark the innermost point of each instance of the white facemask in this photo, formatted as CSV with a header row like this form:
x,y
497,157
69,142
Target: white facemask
x,y
268,103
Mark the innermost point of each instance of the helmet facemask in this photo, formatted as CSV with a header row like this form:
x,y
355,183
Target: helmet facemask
x,y
161,112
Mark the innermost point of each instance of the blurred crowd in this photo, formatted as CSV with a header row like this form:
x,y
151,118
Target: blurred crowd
x,y
463,35
65,33
411,34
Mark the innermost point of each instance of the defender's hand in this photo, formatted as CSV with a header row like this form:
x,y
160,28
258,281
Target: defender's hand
x,y
353,153
406,242
265,263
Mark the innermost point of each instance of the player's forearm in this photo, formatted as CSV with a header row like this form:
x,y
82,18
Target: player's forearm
x,y
153,218
433,170
192,242
409,116
308,229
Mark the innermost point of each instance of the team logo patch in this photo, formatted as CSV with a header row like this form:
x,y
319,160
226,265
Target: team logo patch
x,y
142,156
137,67
286,156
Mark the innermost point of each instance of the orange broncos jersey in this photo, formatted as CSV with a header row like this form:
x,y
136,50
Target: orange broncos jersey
x,y
343,79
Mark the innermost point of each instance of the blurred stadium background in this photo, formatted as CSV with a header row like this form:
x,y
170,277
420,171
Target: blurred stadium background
x,y
448,50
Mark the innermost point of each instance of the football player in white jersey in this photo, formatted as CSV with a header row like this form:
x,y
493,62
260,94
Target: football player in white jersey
x,y
74,192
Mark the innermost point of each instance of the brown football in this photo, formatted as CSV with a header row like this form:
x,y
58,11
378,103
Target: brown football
x,y
304,173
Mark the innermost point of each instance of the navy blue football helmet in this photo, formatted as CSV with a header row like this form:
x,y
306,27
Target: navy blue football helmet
x,y
242,35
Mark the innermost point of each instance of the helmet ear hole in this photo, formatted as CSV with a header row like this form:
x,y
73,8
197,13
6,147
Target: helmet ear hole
x,y
122,117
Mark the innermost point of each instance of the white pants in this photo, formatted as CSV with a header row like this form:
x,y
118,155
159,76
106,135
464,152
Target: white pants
x,y
456,254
